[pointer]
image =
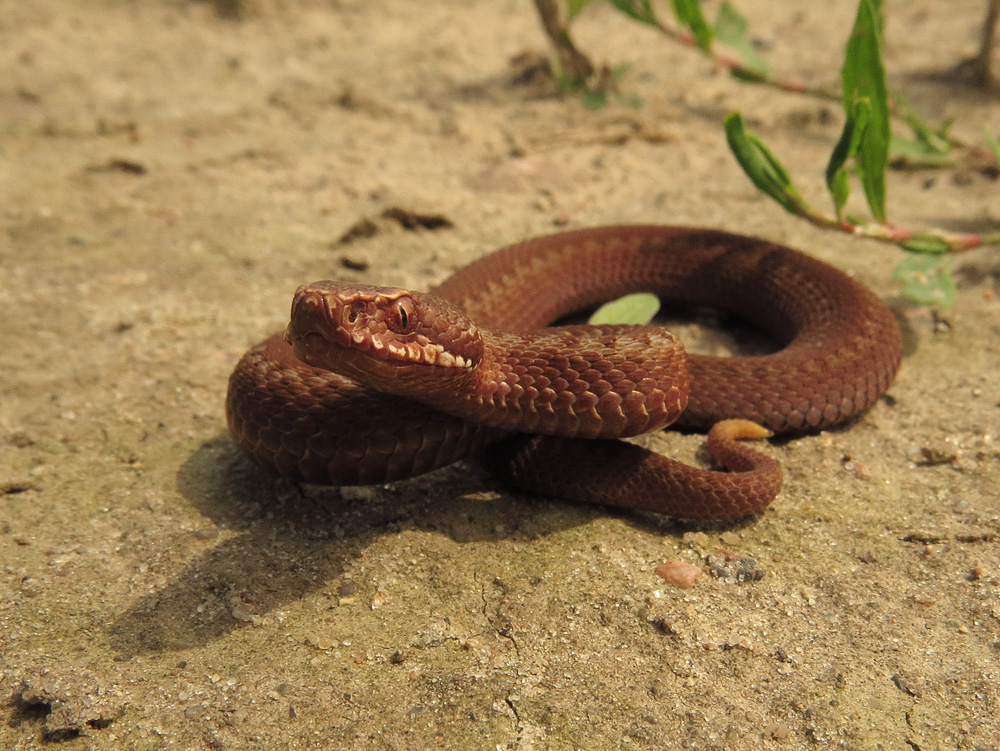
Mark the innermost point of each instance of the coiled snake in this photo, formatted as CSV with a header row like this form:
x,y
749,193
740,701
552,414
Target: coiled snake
x,y
426,380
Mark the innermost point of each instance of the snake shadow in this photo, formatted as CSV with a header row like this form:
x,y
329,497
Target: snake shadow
x,y
281,540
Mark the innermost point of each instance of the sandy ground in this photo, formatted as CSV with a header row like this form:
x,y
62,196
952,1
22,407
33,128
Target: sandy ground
x,y
169,176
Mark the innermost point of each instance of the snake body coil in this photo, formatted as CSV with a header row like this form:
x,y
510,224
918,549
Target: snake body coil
x,y
474,358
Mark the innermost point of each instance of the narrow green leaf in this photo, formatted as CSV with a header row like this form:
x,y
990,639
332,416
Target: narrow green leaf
x,y
637,10
761,166
933,139
594,99
839,186
926,244
637,308
929,147
847,146
632,101
992,142
731,29
689,15
574,8
907,152
927,280
747,75
863,76
618,72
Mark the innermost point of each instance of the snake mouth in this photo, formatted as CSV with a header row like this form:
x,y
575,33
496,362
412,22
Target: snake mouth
x,y
354,328
318,349
310,346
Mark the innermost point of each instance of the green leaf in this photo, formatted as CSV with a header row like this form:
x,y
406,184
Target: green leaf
x,y
908,152
637,10
926,244
992,142
689,15
934,139
847,146
594,99
618,72
929,147
574,8
632,101
637,308
863,76
927,280
761,166
747,75
732,31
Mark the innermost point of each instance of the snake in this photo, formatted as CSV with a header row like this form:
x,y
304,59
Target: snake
x,y
370,385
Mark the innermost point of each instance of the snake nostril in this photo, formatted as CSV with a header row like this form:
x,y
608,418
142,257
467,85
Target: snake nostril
x,y
353,313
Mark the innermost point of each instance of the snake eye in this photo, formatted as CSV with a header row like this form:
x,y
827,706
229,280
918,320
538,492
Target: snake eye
x,y
404,319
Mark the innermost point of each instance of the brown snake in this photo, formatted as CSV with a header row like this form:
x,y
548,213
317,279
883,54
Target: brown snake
x,y
478,383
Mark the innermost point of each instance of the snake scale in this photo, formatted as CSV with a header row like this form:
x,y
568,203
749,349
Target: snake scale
x,y
426,380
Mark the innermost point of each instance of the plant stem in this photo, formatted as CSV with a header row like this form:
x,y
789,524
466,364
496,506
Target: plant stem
x,y
574,65
734,64
982,61
950,242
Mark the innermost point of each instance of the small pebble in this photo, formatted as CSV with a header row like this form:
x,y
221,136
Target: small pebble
x,y
734,569
242,613
682,575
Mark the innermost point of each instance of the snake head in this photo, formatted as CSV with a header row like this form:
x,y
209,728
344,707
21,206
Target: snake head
x,y
382,337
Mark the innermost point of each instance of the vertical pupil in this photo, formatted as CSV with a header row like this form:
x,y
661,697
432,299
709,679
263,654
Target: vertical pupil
x,y
403,318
